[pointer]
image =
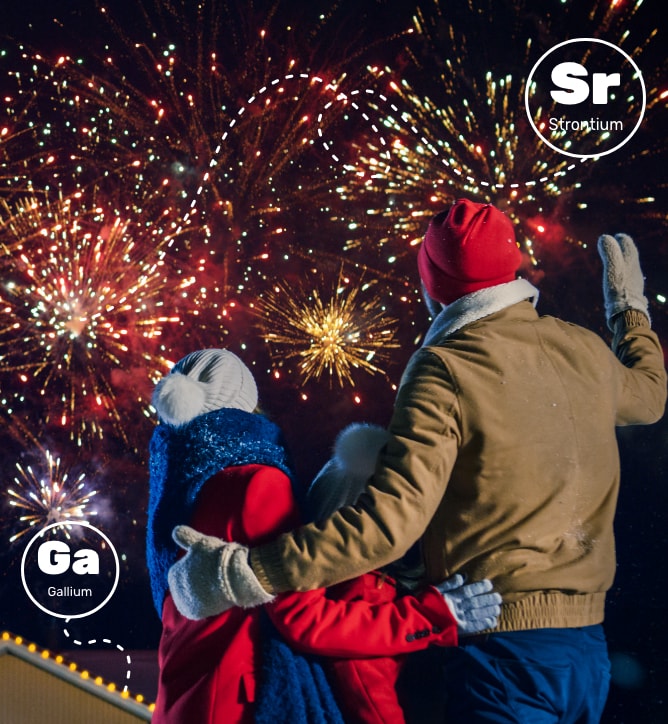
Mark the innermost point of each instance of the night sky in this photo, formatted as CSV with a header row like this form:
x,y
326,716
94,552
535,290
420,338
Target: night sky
x,y
258,176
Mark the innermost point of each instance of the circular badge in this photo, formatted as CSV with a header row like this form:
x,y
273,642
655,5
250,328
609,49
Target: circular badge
x,y
585,97
70,570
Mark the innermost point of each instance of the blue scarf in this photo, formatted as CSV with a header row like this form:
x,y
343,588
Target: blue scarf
x,y
182,459
293,688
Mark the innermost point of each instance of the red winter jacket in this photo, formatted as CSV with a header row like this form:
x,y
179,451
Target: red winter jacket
x,y
366,626
209,668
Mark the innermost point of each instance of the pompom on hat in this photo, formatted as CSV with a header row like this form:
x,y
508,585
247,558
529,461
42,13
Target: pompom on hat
x,y
202,382
466,248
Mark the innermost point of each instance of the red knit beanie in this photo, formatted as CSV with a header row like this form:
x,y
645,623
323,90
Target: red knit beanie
x,y
469,247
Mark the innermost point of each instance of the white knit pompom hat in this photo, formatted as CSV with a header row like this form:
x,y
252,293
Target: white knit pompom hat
x,y
204,381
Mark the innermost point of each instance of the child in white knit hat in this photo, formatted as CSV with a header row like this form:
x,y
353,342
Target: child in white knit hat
x,y
203,381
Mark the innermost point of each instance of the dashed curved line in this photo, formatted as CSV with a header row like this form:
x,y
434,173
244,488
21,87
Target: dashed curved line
x,y
328,146
109,642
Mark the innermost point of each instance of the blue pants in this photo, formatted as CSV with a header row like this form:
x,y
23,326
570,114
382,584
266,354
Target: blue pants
x,y
542,676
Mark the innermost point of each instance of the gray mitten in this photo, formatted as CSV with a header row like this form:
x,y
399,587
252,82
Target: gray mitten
x,y
475,609
212,576
623,281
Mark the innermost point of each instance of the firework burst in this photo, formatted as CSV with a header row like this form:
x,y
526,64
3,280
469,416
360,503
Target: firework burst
x,y
459,126
203,102
332,333
60,141
433,152
82,307
49,496
197,110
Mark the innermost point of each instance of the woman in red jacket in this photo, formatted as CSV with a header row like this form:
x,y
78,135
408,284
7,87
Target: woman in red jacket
x,y
219,467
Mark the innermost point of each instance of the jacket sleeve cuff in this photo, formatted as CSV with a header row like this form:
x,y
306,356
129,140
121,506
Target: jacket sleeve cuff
x,y
444,625
255,558
629,318
621,323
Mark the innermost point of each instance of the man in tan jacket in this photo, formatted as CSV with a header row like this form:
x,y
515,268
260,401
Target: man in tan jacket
x,y
502,459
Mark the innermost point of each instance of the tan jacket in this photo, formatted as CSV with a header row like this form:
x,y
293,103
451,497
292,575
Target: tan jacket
x,y
503,458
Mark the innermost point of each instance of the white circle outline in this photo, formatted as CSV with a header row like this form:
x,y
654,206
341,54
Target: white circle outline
x,y
527,88
40,534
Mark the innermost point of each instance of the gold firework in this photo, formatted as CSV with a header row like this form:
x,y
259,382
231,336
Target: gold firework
x,y
330,333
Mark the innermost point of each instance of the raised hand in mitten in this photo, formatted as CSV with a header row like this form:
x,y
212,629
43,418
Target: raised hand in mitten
x,y
623,281
212,576
473,605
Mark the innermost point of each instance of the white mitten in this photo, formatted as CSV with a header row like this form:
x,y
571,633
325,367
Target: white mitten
x,y
475,609
212,576
623,281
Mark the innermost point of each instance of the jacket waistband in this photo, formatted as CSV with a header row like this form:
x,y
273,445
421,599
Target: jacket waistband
x,y
553,609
